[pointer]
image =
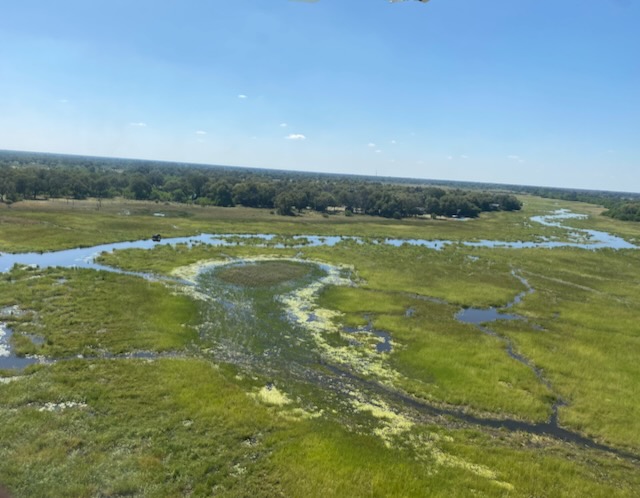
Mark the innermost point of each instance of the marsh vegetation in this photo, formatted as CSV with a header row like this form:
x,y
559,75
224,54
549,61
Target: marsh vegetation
x,y
255,369
264,274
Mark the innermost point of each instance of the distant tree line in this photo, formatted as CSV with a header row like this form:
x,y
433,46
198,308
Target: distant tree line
x,y
626,211
33,176
603,198
620,205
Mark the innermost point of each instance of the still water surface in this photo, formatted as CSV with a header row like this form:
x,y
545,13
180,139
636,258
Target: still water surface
x,y
85,257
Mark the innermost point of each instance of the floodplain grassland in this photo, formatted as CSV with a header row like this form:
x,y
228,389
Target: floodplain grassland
x,y
177,427
60,224
83,312
202,423
264,274
587,304
448,362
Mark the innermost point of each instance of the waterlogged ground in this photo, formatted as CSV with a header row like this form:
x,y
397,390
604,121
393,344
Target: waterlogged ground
x,y
568,237
316,365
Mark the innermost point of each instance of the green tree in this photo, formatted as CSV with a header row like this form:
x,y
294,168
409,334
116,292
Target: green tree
x,y
140,187
284,203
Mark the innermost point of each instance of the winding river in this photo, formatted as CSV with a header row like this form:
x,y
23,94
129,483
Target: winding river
x,y
335,375
84,257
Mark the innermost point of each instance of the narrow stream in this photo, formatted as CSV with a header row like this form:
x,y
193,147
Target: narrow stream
x,y
549,428
479,318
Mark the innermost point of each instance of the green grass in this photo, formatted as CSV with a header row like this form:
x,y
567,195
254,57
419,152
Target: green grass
x,y
443,360
59,224
264,274
472,370
197,425
163,259
163,428
88,312
587,303
448,274
187,428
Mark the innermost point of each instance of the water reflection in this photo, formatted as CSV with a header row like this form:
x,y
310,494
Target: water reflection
x,y
8,360
479,315
383,339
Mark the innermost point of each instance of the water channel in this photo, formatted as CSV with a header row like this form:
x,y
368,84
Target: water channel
x,y
296,357
84,257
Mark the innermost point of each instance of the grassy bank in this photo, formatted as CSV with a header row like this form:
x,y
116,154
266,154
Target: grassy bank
x,y
59,224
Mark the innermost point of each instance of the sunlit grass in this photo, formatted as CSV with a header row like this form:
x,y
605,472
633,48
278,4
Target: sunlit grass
x,y
163,428
586,303
89,312
58,224
198,426
443,360
264,274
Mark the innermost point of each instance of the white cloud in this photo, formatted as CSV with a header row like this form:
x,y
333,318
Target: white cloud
x,y
138,125
371,144
513,157
464,156
283,125
378,151
450,158
242,96
393,142
63,101
295,136
201,132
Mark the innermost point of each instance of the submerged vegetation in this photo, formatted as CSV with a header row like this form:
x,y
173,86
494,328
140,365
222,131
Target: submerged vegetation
x,y
300,369
78,312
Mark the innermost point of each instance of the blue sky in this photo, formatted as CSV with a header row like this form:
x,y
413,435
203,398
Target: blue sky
x,y
510,91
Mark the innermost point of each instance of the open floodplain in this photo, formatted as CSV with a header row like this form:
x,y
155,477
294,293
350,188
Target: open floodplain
x,y
249,354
